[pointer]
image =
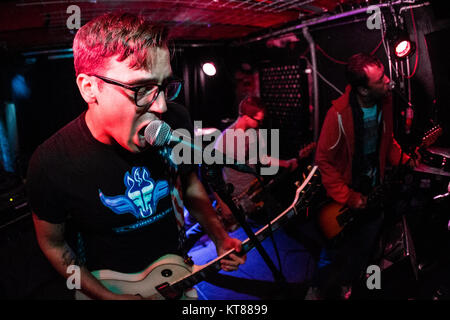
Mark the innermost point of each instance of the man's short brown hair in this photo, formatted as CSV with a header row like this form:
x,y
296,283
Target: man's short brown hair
x,y
112,34
356,76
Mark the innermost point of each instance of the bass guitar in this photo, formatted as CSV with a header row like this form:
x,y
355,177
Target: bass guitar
x,y
172,277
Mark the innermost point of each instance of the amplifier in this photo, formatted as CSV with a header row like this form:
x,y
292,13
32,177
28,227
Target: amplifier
x,y
284,91
13,205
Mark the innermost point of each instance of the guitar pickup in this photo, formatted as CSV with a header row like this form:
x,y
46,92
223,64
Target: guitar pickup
x,y
168,292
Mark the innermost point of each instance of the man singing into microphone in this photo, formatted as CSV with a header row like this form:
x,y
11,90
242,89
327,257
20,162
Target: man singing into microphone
x,y
101,197
355,145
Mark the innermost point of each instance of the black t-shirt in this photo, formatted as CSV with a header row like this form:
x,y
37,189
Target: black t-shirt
x,y
125,206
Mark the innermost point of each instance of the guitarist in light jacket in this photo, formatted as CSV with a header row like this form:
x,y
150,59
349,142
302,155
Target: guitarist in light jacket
x,y
355,144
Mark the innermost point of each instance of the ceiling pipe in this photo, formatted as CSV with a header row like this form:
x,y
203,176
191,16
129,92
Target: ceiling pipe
x,y
312,50
312,22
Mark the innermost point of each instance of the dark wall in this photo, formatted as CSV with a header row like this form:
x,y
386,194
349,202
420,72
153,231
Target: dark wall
x,y
439,50
209,99
54,101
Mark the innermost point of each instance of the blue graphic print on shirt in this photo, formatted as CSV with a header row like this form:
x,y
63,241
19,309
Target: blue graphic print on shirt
x,y
141,196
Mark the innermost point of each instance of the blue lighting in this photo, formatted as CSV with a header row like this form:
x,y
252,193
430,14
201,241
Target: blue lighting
x,y
5,154
8,137
19,87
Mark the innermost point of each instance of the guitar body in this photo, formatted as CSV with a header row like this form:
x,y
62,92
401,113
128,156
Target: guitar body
x,y
168,268
332,218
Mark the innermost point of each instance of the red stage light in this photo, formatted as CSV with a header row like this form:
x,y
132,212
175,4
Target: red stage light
x,y
403,48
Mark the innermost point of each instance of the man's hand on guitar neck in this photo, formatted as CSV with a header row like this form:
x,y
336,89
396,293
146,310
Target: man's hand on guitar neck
x,y
357,201
292,164
306,151
233,261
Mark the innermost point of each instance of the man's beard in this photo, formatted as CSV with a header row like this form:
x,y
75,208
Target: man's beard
x,y
378,97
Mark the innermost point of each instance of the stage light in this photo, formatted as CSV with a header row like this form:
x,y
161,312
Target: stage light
x,y
209,69
403,47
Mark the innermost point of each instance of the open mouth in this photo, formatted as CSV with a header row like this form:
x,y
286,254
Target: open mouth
x,y
141,142
141,132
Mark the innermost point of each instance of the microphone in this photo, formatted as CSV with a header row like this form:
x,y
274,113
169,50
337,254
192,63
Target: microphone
x,y
159,134
393,87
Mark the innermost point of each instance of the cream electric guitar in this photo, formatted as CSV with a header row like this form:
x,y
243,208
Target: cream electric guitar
x,y
171,277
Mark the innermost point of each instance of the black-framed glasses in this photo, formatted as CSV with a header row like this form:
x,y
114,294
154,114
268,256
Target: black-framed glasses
x,y
145,94
260,121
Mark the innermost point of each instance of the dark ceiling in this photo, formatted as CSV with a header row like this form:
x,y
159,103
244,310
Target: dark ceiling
x,y
36,25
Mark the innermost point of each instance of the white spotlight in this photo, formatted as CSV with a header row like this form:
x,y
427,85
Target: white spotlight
x,y
209,69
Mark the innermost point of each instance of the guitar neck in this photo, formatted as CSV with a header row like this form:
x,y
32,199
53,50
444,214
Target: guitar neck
x,y
214,265
300,203
430,137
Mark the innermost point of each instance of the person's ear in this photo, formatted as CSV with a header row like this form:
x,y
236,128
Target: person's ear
x,y
88,88
362,91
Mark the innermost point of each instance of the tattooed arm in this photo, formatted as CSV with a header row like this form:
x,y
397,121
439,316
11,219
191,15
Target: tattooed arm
x,y
198,203
52,243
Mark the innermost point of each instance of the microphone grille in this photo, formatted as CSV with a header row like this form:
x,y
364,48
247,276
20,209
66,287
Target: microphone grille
x,y
157,133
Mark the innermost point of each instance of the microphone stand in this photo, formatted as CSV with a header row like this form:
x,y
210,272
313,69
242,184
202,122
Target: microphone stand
x,y
213,175
409,104
159,133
